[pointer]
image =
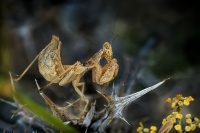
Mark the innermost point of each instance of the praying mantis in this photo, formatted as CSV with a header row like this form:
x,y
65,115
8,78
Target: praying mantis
x,y
52,69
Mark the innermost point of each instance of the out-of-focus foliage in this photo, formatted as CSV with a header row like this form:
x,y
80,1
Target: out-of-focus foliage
x,y
42,113
5,87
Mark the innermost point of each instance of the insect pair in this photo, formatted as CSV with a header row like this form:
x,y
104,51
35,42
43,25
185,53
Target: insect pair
x,y
52,69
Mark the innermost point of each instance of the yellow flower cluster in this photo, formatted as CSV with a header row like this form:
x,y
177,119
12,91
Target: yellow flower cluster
x,y
175,120
172,118
142,129
179,101
176,117
191,123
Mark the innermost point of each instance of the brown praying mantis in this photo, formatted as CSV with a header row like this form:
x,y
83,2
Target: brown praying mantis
x,y
52,69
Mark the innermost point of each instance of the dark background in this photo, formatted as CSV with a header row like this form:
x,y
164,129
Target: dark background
x,y
151,39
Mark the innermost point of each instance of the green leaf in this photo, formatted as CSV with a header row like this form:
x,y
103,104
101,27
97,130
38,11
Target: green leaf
x,y
42,113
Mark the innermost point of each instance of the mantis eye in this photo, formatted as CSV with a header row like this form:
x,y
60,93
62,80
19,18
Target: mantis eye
x,y
85,64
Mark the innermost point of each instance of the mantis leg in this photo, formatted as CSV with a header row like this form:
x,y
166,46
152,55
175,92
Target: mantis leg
x,y
75,84
24,72
106,74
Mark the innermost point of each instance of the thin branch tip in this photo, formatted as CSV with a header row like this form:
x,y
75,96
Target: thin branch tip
x,y
39,89
167,79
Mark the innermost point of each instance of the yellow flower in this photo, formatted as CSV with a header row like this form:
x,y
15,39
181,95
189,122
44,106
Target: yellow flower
x,y
178,127
173,105
188,121
193,127
186,102
152,132
139,129
175,101
191,98
168,100
196,119
179,116
180,103
173,120
187,128
146,130
199,125
164,121
169,117
178,96
174,113
153,128
188,116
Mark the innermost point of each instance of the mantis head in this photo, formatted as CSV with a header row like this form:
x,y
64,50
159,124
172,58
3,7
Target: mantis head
x,y
107,51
